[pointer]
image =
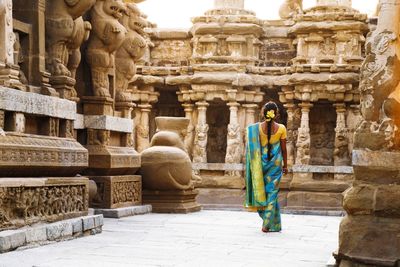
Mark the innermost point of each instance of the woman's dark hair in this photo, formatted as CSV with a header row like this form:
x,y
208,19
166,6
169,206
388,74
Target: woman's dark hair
x,y
268,107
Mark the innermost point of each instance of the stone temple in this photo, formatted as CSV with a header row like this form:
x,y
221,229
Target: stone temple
x,y
101,109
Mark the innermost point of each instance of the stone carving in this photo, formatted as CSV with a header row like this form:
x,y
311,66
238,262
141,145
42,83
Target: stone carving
x,y
166,165
379,107
131,50
341,152
291,8
126,192
98,137
303,147
19,58
28,205
65,33
234,145
107,35
200,143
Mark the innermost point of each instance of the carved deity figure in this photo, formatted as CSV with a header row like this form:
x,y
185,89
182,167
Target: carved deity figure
x,y
107,35
65,33
200,144
290,8
303,147
234,144
341,151
131,50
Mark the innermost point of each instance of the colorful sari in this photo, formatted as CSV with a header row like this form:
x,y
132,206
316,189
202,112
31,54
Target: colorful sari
x,y
263,177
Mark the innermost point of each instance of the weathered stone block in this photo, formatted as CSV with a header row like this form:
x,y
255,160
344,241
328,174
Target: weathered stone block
x,y
59,230
88,223
359,200
36,234
77,226
124,212
43,200
117,191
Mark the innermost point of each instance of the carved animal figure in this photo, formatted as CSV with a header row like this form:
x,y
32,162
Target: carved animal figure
x,y
131,50
65,33
303,147
108,34
290,8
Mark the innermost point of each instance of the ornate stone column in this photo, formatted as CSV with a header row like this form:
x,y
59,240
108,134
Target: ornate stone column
x,y
341,152
234,138
8,70
189,139
200,140
303,138
142,129
290,141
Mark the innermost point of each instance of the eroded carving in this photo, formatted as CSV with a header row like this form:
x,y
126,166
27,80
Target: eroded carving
x,y
107,35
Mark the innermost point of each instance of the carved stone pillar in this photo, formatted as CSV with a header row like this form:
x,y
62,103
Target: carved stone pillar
x,y
189,139
8,71
142,129
201,137
341,152
17,123
291,142
234,138
303,138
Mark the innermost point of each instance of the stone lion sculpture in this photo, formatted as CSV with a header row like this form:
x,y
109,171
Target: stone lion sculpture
x,y
65,33
132,49
107,36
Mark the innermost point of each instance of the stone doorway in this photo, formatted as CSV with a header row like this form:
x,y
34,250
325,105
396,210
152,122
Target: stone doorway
x,y
167,105
322,134
218,120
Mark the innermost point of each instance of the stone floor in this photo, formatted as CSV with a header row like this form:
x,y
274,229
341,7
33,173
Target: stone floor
x,y
206,238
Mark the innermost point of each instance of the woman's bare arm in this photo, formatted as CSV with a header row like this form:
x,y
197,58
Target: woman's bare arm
x,y
284,154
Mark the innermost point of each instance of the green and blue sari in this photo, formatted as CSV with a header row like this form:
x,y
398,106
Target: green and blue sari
x,y
263,177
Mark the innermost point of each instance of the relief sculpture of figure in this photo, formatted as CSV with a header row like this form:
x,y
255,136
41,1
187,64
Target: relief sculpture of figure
x,y
65,32
290,8
233,153
131,50
200,144
107,35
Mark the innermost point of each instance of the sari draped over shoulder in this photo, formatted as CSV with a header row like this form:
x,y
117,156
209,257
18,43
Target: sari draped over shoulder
x,y
263,176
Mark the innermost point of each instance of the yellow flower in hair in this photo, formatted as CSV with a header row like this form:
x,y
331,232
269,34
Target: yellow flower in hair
x,y
270,115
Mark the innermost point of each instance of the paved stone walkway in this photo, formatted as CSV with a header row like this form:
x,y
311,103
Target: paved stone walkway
x,y
206,238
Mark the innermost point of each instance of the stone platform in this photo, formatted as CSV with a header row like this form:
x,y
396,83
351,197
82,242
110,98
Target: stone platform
x,y
172,201
124,212
43,234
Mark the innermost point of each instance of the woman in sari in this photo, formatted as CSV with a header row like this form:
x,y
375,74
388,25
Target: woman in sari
x,y
266,160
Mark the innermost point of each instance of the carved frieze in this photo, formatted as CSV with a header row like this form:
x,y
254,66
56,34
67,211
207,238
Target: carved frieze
x,y
24,202
117,191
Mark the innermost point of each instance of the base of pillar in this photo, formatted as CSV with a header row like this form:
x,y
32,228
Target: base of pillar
x,y
124,212
115,192
98,105
48,233
177,201
368,240
64,85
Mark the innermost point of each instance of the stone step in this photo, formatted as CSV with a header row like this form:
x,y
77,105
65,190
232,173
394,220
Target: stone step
x,y
43,234
124,212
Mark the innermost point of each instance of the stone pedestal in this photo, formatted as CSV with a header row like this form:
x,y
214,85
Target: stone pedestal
x,y
369,233
98,105
64,85
117,191
172,201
